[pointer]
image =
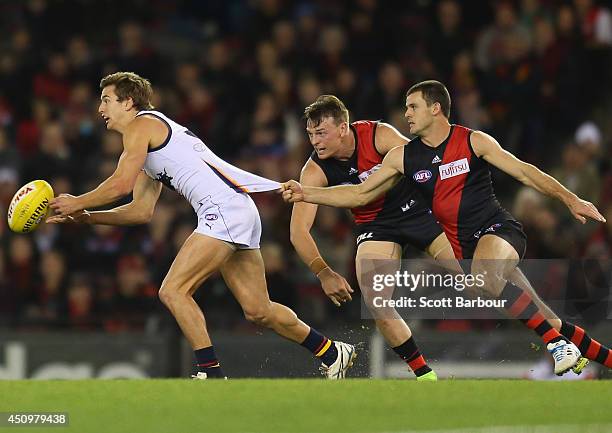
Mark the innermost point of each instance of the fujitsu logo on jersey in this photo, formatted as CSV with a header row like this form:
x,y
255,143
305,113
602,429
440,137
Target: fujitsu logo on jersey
x,y
422,176
363,176
454,168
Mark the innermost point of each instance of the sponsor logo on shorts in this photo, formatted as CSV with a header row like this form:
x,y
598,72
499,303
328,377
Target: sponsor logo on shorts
x,y
490,229
454,168
493,228
408,205
211,217
362,237
422,176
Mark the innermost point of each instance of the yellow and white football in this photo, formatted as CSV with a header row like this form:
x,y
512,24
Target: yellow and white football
x,y
29,206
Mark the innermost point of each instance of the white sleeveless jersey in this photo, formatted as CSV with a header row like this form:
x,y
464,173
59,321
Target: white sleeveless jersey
x,y
217,191
185,164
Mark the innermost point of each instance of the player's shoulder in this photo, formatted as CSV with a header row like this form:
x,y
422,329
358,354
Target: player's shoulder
x,y
154,129
145,121
312,174
364,123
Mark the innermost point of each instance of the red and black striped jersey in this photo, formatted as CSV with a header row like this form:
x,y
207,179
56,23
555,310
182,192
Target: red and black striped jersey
x,y
402,201
455,184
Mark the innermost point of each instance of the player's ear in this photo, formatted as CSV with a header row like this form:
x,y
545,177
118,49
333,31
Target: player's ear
x,y
344,128
128,104
436,108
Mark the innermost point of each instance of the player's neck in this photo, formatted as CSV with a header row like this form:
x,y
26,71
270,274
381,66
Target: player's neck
x,y
122,126
437,133
347,146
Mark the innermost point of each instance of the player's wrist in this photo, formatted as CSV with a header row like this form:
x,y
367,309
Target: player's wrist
x,y
325,273
318,265
568,198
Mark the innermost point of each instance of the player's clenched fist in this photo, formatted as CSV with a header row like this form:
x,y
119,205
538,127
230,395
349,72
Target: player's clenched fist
x,y
292,191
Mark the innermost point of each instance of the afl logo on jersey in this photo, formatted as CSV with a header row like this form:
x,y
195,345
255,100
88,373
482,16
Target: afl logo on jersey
x,y
211,217
422,176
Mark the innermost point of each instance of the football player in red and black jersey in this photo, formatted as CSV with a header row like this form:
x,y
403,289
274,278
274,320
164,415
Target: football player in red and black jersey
x,y
449,165
347,153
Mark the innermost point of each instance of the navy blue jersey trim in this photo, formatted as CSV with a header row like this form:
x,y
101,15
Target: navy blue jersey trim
x,y
161,146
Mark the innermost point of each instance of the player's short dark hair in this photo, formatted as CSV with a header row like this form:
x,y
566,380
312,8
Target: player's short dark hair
x,y
326,106
433,91
130,85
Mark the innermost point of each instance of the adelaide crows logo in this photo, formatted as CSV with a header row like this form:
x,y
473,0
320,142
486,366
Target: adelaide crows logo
x,y
165,179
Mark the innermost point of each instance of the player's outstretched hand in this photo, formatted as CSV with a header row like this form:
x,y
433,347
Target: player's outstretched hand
x,y
65,204
582,209
292,191
335,286
79,217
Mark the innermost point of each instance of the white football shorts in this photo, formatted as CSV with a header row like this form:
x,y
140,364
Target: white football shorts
x,y
234,220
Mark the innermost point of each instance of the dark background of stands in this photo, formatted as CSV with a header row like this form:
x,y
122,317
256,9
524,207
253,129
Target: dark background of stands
x,y
535,74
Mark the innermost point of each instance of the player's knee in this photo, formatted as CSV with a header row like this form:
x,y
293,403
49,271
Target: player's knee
x,y
168,294
492,282
259,315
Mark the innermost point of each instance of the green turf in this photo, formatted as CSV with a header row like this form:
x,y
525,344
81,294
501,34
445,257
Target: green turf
x,y
308,406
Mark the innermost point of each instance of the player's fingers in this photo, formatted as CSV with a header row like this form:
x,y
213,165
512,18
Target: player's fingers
x,y
344,295
335,301
348,287
54,220
598,215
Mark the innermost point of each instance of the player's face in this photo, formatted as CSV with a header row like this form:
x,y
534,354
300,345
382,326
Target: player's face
x,y
418,114
111,109
326,137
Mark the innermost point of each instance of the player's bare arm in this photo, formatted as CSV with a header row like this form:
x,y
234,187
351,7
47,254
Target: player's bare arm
x,y
302,218
138,211
350,196
488,148
136,139
388,137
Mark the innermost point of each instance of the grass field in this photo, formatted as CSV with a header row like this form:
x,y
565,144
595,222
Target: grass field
x,y
313,406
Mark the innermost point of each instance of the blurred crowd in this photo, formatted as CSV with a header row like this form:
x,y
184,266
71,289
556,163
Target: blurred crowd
x,y
535,74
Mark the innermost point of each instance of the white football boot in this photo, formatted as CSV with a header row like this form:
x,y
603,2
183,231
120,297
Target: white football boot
x,y
565,354
344,361
203,376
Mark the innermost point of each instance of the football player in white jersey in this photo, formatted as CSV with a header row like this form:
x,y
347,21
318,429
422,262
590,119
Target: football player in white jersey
x,y
158,150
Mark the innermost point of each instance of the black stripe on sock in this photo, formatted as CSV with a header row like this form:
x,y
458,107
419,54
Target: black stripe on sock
x,y
511,293
602,355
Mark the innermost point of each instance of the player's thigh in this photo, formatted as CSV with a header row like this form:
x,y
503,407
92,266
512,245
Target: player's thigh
x,y
375,258
198,258
495,256
377,254
441,250
244,274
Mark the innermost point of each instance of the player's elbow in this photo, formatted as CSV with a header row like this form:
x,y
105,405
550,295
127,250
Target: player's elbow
x,y
526,174
361,198
296,235
145,216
